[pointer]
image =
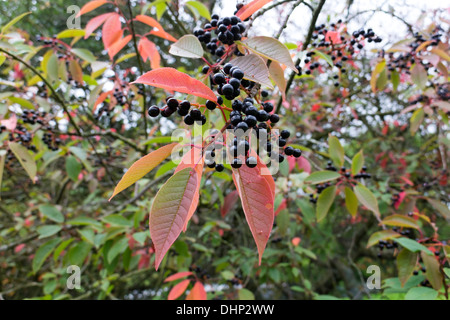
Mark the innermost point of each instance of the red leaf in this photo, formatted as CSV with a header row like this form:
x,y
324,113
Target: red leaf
x,y
304,164
91,5
315,107
249,9
178,275
197,292
178,290
229,202
163,34
401,197
118,45
333,37
253,190
282,206
296,241
148,50
174,80
96,22
170,210
194,160
111,31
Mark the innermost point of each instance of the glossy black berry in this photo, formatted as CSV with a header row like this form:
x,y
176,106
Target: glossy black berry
x,y
172,103
282,142
289,151
153,111
219,167
227,68
189,120
228,90
268,107
285,134
297,153
211,105
237,163
196,114
238,74
274,118
219,78
251,121
185,105
251,162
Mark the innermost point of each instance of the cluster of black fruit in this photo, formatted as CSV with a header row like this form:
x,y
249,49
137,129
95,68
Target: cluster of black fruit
x,y
227,31
402,61
339,53
319,189
183,108
54,42
22,136
33,117
120,97
362,175
389,245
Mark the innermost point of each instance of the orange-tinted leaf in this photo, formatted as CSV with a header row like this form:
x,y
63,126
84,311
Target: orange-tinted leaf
x,y
174,80
197,292
170,210
194,160
148,50
96,22
118,45
249,9
149,21
163,34
398,220
143,166
111,31
258,207
76,71
178,275
91,5
178,290
100,99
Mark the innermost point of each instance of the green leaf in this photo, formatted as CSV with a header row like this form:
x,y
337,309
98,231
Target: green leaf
x,y
406,263
2,59
227,275
270,48
84,54
245,294
51,212
398,220
199,8
117,248
254,68
395,78
419,76
71,33
382,235
416,120
73,168
351,202
366,198
357,163
51,68
43,252
13,21
48,231
84,221
2,165
324,202
322,176
25,159
379,68
78,253
336,151
118,220
325,57
140,237
421,293
413,246
433,272
187,46
23,102
440,207
61,248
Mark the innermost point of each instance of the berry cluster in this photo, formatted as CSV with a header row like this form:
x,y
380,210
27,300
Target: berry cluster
x,y
228,30
345,176
183,108
340,51
402,61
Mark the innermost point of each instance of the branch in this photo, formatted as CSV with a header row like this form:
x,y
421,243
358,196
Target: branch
x,y
315,16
